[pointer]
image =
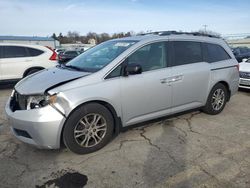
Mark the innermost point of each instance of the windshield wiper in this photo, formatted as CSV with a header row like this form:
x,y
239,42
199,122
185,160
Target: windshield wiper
x,y
73,67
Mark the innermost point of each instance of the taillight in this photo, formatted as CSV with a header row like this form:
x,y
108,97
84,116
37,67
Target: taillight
x,y
53,57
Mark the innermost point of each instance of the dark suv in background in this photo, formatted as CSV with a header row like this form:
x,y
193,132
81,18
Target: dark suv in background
x,y
241,53
68,55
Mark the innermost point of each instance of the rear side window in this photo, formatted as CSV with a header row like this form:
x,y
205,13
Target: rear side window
x,y
215,52
186,52
34,52
14,52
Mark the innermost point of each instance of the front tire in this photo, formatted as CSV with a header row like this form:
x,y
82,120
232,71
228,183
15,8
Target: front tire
x,y
88,128
216,100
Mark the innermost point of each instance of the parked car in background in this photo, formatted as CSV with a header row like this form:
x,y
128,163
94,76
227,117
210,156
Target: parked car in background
x,y
245,74
19,60
58,51
119,83
68,55
241,53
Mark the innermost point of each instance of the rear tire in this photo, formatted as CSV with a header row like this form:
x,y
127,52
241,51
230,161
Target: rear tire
x,y
88,128
216,100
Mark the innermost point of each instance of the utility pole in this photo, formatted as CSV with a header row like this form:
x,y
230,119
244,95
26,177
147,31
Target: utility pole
x,y
205,28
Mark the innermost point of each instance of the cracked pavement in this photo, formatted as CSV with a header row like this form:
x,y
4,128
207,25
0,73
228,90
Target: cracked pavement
x,y
189,150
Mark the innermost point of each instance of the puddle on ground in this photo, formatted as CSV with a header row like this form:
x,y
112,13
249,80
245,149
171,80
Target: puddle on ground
x,y
68,180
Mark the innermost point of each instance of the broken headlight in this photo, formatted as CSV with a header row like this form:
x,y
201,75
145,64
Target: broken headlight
x,y
38,101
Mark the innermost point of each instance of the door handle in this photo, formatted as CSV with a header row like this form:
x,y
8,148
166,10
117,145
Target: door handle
x,y
171,79
28,60
164,80
175,78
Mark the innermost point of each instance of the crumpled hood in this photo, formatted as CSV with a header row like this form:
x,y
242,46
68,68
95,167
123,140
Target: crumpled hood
x,y
39,82
244,67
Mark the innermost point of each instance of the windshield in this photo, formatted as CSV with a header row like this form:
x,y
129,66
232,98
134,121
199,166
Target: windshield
x,y
99,56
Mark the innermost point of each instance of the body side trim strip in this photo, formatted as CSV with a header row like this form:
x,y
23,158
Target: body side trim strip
x,y
223,67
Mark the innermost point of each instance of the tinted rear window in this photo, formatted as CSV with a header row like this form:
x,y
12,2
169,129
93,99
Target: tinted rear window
x,y
186,52
215,53
14,52
34,52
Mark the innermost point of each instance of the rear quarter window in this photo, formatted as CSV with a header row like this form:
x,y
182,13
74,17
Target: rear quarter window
x,y
34,52
215,52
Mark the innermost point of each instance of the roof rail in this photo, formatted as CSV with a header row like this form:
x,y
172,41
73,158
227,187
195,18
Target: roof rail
x,y
164,33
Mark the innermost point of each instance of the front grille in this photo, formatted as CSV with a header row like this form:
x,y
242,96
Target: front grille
x,y
18,102
245,85
245,75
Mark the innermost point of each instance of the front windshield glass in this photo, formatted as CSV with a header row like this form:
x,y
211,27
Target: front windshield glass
x,y
99,56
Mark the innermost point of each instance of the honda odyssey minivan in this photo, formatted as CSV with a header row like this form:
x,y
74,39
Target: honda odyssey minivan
x,y
119,83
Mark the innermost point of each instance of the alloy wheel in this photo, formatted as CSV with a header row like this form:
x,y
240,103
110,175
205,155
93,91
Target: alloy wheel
x,y
90,130
218,99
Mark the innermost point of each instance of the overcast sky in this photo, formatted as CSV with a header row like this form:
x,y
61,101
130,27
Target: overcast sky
x,y
44,17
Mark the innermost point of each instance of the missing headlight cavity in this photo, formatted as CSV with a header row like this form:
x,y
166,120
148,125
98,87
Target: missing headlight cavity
x,y
68,180
18,102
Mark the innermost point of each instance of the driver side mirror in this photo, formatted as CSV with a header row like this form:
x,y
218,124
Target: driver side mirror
x,y
132,69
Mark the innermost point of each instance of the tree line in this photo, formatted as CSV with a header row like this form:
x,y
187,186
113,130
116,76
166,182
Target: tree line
x,y
74,37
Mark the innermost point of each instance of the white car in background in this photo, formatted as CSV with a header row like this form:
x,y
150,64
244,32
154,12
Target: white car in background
x,y
20,60
245,74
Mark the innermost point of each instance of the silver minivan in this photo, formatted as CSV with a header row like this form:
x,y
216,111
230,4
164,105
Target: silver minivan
x,y
119,83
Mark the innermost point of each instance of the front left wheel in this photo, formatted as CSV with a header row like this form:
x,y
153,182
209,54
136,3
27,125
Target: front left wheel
x,y
89,128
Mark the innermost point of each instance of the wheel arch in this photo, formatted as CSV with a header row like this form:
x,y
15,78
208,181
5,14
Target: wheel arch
x,y
225,83
31,68
227,87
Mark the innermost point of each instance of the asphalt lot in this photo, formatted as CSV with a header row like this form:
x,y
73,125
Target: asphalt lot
x,y
190,150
